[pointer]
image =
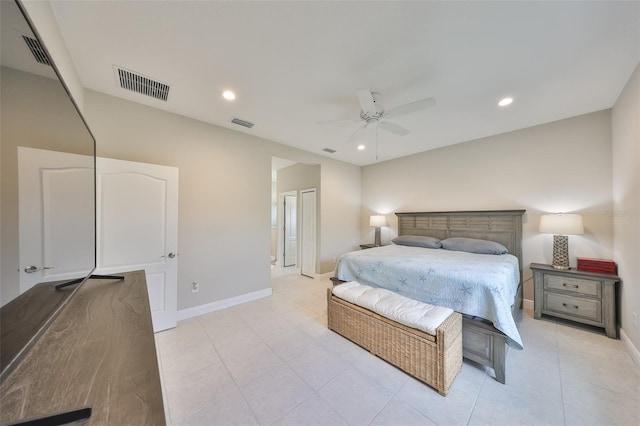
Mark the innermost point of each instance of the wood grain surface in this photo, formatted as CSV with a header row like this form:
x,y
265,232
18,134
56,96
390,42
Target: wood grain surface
x,y
23,318
99,352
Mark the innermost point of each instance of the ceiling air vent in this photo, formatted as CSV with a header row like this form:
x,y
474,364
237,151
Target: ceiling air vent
x,y
329,150
144,85
38,51
243,123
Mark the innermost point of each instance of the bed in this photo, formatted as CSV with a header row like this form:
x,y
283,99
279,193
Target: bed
x,y
489,326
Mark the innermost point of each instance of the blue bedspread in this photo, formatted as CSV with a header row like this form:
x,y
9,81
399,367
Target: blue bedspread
x,y
480,285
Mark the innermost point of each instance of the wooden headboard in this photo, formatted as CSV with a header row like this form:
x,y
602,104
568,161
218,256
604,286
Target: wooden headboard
x,y
501,226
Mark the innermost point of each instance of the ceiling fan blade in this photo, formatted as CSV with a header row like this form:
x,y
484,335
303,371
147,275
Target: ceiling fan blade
x,y
393,128
366,101
322,123
409,108
354,133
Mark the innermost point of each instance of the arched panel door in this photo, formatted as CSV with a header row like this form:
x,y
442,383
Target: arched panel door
x,y
137,217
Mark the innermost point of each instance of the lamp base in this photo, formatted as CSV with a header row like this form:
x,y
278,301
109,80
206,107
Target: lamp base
x,y
377,241
560,252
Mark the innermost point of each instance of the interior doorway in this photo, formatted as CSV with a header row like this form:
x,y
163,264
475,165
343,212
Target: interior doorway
x,y
295,226
277,164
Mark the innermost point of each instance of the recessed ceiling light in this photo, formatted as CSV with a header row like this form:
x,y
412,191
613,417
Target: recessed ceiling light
x,y
505,101
228,95
361,147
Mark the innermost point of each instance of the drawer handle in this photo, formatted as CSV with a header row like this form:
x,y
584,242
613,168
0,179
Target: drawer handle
x,y
570,285
570,306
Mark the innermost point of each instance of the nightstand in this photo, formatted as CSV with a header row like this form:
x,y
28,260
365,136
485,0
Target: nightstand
x,y
368,246
585,297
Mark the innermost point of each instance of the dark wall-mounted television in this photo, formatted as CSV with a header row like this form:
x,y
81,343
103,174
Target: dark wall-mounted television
x,y
47,182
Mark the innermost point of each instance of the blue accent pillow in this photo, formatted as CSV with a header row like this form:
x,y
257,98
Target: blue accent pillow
x,y
417,241
472,245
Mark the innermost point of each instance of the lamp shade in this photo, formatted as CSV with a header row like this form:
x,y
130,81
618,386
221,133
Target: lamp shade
x,y
377,220
561,224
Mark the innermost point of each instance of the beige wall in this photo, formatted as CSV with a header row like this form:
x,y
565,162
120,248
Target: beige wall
x,y
225,193
564,166
35,112
626,202
341,196
298,176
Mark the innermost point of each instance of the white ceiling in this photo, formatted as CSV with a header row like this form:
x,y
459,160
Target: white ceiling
x,y
295,63
14,52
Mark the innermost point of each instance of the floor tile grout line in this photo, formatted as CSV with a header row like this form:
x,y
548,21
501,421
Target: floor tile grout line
x,y
475,400
327,402
232,378
163,385
286,363
193,373
391,399
239,388
237,385
313,392
560,375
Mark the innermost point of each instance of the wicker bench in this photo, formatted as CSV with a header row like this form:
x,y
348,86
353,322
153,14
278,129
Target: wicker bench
x,y
434,360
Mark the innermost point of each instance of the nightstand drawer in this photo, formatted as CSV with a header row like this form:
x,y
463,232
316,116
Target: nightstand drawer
x,y
575,307
576,285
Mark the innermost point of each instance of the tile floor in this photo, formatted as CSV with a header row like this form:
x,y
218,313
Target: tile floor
x,y
273,362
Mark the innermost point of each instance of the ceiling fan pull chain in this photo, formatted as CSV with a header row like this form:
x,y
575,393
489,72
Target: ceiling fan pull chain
x,y
376,141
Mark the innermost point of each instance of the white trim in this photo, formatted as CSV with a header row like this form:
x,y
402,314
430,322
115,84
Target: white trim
x,y
527,304
301,241
223,304
324,276
280,226
633,351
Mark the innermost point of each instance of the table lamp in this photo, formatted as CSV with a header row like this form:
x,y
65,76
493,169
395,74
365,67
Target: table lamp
x,y
377,221
561,225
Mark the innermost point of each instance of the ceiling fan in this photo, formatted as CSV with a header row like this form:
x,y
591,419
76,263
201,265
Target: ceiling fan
x,y
372,113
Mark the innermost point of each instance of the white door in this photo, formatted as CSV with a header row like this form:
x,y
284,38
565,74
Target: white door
x,y
308,231
55,245
290,230
137,217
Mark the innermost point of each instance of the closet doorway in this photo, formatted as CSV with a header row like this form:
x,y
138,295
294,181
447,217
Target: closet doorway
x,y
308,233
290,231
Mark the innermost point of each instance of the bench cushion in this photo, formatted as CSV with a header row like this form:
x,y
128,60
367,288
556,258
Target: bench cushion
x,y
403,310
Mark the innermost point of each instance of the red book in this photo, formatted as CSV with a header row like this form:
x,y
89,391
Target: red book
x,y
603,266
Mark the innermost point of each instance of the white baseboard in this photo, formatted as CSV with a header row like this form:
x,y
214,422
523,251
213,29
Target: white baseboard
x,y
223,304
527,304
633,351
325,276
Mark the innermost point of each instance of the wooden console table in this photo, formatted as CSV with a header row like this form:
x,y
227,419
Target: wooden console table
x,y
99,352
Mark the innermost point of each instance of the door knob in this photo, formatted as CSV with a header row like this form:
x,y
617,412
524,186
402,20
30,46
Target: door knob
x,y
171,255
31,269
